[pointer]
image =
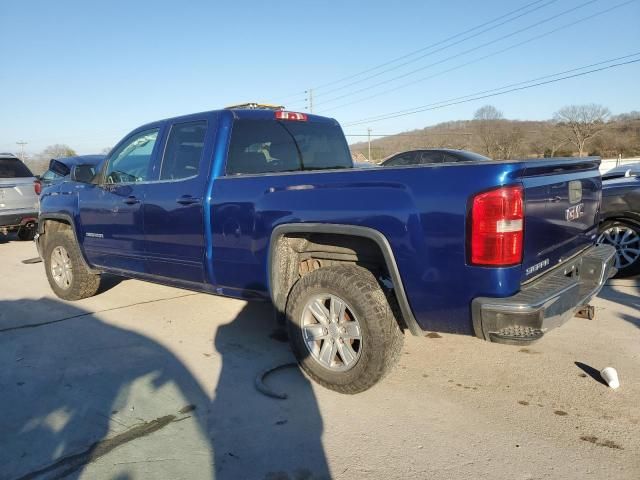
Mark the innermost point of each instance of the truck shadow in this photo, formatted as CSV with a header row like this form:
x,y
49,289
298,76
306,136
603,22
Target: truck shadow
x,y
257,436
76,389
628,296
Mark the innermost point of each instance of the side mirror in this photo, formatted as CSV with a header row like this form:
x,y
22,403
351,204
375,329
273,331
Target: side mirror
x,y
83,173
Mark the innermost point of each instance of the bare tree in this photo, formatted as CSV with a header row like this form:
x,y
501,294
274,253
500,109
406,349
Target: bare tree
x,y
582,123
40,162
490,134
509,139
554,138
484,122
487,113
58,150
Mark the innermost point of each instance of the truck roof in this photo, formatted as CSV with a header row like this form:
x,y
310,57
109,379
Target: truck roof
x,y
238,113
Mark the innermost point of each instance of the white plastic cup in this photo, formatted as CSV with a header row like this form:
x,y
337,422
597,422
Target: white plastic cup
x,y
610,375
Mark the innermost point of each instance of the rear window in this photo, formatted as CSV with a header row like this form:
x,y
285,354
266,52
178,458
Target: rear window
x,y
13,168
261,146
59,168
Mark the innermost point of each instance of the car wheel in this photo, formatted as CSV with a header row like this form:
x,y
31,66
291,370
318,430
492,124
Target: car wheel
x,y
67,273
342,328
26,233
625,237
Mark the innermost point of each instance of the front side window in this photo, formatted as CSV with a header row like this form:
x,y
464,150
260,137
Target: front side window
x,y
184,148
130,163
261,146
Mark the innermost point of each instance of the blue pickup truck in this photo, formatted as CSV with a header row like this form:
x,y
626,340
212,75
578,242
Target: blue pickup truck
x,y
265,204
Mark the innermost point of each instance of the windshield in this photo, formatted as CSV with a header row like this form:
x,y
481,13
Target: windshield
x,y
260,146
13,168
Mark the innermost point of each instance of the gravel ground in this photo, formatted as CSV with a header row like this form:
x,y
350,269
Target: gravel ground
x,y
145,381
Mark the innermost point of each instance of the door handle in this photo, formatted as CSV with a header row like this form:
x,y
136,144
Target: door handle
x,y
188,200
131,200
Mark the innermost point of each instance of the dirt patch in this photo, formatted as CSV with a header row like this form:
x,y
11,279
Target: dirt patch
x,y
529,351
601,443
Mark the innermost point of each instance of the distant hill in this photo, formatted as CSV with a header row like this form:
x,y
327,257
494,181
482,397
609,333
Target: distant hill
x,y
511,139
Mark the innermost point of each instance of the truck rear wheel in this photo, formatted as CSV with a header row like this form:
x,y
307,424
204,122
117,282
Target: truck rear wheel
x,y
342,328
68,276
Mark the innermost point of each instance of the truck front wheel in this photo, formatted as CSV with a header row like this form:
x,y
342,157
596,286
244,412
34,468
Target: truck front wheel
x,y
68,276
342,329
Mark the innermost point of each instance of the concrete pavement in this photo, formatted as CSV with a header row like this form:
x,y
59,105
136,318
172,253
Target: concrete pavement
x,y
145,381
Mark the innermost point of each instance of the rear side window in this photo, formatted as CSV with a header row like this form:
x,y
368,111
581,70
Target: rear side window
x,y
403,159
13,168
261,146
431,157
183,152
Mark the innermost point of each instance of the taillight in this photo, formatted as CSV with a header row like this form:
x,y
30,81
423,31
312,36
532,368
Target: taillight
x,y
37,187
282,115
496,227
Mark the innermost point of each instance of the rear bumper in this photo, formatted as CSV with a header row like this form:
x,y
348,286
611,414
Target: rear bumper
x,y
546,302
16,218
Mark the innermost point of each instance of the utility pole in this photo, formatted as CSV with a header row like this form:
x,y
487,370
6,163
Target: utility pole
x,y
369,139
22,144
310,99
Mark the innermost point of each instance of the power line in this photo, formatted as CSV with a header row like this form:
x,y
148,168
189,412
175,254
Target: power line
x,y
427,47
410,54
465,52
484,57
421,109
406,134
544,77
440,49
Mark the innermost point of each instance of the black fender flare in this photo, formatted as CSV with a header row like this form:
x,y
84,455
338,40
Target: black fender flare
x,y
347,230
66,218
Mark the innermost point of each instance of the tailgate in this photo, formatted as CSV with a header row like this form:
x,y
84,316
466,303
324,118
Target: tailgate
x,y
18,194
562,201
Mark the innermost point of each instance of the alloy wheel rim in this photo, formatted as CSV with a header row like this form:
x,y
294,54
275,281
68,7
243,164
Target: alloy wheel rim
x,y
61,269
626,242
331,332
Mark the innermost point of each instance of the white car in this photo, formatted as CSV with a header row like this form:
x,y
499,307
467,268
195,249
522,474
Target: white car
x,y
19,190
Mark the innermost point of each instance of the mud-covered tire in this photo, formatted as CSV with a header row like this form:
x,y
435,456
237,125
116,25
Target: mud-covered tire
x,y
381,337
83,283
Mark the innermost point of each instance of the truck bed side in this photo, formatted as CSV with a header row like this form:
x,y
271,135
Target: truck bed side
x,y
421,211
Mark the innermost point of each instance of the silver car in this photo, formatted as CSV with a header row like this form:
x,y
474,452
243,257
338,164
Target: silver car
x,y
19,191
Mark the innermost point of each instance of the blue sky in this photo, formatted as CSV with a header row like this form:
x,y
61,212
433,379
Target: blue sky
x,y
85,73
